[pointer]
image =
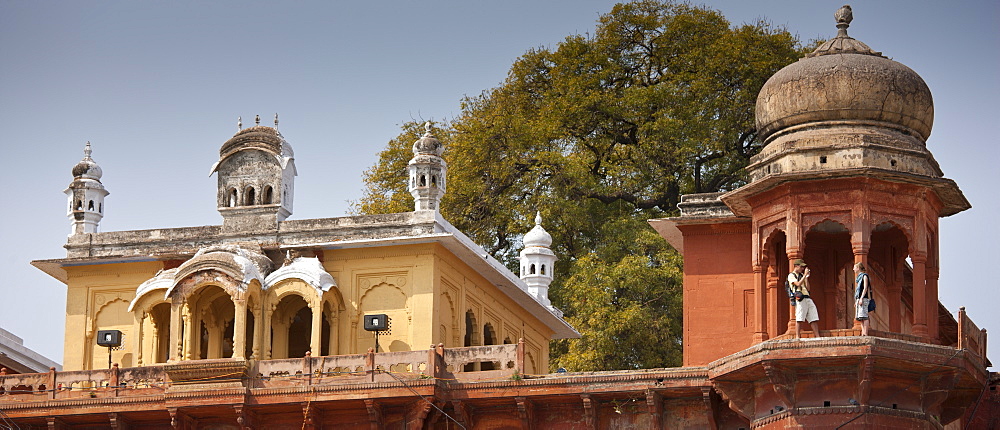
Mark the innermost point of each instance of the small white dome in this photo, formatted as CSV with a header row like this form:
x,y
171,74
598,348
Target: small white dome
x,y
538,236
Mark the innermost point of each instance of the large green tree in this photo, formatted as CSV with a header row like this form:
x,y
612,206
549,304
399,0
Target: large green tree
x,y
600,134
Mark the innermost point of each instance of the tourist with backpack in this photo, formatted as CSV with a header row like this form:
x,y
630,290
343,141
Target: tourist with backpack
x,y
864,303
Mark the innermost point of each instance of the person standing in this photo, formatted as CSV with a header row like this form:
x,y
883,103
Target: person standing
x,y
862,296
805,311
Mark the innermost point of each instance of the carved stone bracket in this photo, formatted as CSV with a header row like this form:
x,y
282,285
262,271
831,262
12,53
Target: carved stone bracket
x,y
181,421
56,423
866,373
419,411
118,422
310,416
711,405
783,382
740,396
525,410
936,388
244,417
374,414
462,413
589,411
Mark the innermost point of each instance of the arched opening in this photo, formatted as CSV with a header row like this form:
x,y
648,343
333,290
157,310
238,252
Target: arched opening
x,y
831,284
471,337
291,328
90,206
777,273
79,205
160,315
214,317
489,338
531,270
268,195
543,269
249,197
248,333
423,180
100,207
892,279
434,180
231,198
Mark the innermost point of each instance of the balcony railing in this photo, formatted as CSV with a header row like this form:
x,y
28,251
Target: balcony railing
x,y
447,364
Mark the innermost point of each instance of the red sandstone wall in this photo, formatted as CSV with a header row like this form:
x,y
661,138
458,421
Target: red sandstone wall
x,y
718,291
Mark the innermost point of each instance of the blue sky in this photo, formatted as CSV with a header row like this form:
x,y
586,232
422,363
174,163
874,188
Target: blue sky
x,y
157,87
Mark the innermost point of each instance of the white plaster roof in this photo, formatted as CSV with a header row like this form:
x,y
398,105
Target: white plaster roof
x,y
164,279
308,269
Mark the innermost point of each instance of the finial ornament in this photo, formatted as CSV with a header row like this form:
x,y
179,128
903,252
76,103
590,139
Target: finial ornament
x,y
257,120
427,127
87,151
538,218
239,122
275,120
844,16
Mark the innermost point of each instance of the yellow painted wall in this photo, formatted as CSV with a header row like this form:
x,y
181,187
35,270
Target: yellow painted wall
x,y
424,289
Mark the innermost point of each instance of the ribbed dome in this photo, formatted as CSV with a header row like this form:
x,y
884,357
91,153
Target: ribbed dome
x,y
844,80
538,236
260,137
87,168
428,144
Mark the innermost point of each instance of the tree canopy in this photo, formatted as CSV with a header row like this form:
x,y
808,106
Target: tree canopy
x,y
600,134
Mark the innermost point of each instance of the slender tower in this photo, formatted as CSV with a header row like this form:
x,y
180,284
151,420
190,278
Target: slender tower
x,y
427,172
86,195
537,262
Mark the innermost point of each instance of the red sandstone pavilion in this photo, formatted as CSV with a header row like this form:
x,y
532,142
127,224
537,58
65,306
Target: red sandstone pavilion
x,y
845,177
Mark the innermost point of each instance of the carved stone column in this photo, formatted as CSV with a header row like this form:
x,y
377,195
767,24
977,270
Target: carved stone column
x,y
920,295
266,324
760,303
316,334
239,328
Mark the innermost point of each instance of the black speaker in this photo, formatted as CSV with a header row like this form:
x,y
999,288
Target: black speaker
x,y
377,322
109,338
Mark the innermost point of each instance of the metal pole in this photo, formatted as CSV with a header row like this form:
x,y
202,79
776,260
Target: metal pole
x,y
109,357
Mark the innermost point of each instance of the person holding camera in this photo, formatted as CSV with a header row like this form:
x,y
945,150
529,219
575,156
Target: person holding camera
x,y
805,310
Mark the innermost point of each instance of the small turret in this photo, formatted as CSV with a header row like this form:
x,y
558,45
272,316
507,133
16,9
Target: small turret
x,y
427,172
538,261
86,195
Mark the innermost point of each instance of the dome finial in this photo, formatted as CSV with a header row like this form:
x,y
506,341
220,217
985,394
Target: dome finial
x,y
257,120
275,120
538,217
239,123
87,151
844,16
427,127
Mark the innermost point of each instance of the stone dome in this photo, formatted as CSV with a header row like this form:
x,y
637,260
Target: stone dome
x,y
259,137
538,236
844,80
428,144
87,168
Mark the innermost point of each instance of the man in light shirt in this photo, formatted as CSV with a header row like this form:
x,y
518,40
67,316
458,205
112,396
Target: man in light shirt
x,y
805,311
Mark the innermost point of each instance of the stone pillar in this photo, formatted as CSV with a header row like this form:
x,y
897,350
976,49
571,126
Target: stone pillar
x,y
142,341
920,295
793,254
932,303
316,334
258,323
861,234
760,302
267,323
333,320
239,328
190,320
176,334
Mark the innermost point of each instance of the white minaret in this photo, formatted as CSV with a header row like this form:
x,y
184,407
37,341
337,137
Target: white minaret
x,y
538,261
427,172
86,195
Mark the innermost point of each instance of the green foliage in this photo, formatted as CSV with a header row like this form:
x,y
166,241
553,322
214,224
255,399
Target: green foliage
x,y
601,134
